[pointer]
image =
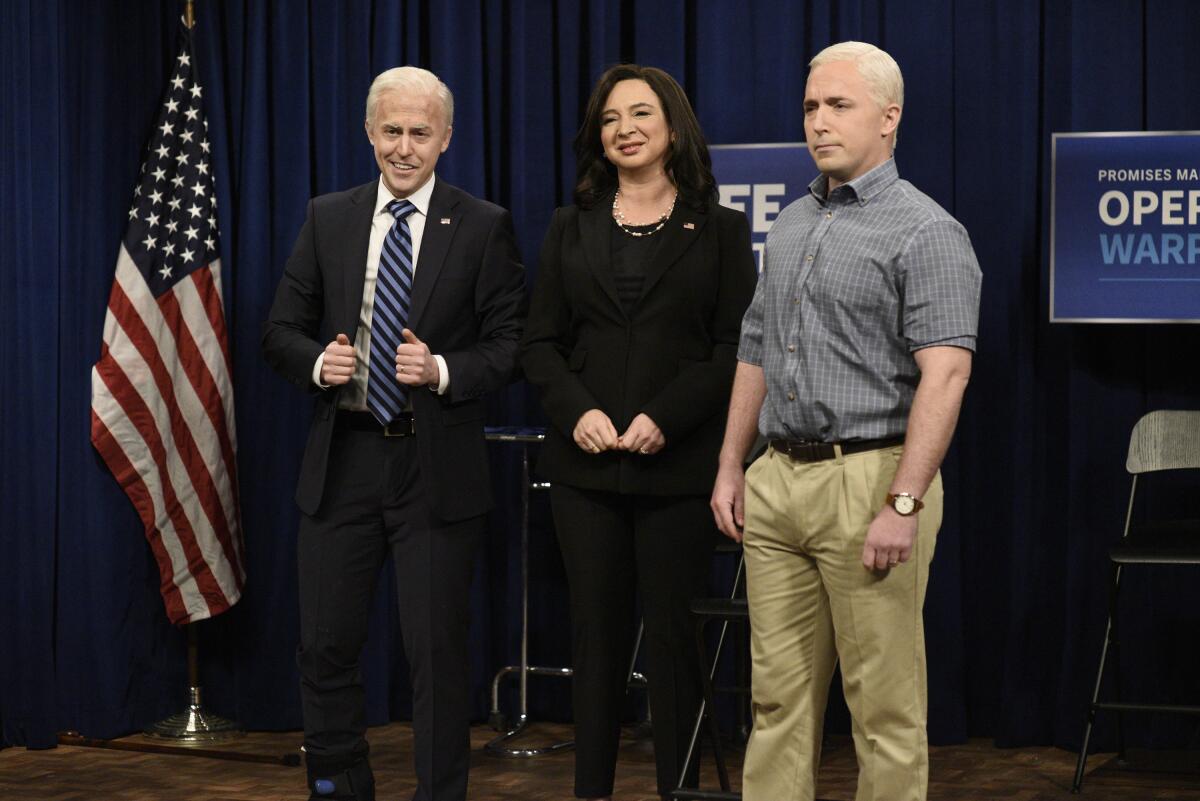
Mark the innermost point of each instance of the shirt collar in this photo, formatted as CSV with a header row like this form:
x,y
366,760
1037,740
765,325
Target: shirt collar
x,y
864,187
420,198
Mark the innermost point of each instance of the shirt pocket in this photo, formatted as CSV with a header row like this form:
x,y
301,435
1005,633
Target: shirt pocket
x,y
857,285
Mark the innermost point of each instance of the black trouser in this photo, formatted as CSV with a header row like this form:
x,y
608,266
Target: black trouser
x,y
614,545
375,502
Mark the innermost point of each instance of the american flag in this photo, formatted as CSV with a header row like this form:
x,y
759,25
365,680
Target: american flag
x,y
162,397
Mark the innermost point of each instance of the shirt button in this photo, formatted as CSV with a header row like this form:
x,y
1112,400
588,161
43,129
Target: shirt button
x,y
829,215
791,396
795,301
808,257
791,348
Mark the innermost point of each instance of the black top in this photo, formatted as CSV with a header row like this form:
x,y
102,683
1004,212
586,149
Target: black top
x,y
630,255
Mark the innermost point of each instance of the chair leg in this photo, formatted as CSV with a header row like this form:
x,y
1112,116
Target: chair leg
x,y
1116,663
694,744
741,673
714,732
1109,631
692,751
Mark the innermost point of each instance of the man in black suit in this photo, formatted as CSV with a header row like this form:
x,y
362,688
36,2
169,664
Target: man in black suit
x,y
395,459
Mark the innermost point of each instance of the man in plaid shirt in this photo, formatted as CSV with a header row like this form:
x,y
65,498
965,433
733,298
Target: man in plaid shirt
x,y
853,361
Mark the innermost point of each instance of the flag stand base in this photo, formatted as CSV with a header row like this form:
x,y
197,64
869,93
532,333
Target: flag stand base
x,y
194,725
189,732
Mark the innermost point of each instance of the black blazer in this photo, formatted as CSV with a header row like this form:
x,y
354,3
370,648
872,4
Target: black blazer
x,y
468,305
672,358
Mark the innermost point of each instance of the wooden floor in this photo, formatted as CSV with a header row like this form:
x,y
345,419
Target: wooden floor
x,y
970,772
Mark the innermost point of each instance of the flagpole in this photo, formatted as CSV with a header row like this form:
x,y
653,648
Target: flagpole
x,y
147,271
195,724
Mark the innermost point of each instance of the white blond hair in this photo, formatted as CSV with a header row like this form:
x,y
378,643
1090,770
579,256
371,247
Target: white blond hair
x,y
879,71
411,79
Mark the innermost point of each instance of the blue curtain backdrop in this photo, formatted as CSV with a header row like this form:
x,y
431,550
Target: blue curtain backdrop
x,y
1035,487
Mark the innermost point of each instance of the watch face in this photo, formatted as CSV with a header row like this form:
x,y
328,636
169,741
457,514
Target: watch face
x,y
904,504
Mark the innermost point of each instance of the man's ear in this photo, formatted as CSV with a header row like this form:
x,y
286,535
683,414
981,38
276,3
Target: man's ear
x,y
891,119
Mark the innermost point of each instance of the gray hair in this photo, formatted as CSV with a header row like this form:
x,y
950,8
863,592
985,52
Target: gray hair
x,y
412,79
877,68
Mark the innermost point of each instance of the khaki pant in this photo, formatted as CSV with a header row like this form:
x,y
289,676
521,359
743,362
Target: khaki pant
x,y
813,603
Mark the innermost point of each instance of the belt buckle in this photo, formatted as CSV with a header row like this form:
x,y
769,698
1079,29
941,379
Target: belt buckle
x,y
403,428
813,451
805,450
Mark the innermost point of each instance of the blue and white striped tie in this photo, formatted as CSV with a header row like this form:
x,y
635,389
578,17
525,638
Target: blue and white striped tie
x,y
386,396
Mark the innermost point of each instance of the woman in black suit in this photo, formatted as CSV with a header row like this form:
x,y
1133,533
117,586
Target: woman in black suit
x,y
632,340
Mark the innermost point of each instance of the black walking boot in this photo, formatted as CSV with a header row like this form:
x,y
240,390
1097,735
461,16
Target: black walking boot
x,y
340,779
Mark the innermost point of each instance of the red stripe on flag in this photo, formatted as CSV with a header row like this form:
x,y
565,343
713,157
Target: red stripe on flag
x,y
144,421
205,385
135,488
210,296
206,288
185,444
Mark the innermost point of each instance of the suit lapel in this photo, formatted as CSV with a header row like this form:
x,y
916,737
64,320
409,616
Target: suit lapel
x,y
362,212
595,233
440,225
678,234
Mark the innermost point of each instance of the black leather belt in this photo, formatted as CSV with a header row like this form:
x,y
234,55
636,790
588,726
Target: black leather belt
x,y
807,451
402,426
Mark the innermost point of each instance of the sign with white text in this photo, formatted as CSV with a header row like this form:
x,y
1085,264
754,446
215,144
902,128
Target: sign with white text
x,y
1125,228
761,180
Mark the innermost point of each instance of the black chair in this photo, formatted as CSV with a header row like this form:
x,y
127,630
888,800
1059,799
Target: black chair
x,y
705,610
1161,440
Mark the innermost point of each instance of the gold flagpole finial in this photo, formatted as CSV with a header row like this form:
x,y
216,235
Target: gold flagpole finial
x,y
189,15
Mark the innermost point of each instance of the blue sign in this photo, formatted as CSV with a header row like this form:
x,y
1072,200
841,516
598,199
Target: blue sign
x,y
1125,228
761,180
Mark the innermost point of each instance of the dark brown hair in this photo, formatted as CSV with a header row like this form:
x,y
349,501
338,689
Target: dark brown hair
x,y
687,164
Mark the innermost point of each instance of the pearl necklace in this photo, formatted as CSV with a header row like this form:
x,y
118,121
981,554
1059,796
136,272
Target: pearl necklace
x,y
625,225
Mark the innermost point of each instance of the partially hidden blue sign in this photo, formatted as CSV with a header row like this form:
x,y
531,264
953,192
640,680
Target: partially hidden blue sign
x,y
1125,228
761,180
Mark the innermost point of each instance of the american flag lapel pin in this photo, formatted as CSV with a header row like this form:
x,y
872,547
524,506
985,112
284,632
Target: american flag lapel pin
x,y
445,221
690,226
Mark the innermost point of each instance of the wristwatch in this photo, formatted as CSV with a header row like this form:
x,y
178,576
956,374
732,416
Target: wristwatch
x,y
904,503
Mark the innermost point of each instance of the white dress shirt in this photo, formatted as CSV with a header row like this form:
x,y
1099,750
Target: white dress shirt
x,y
355,395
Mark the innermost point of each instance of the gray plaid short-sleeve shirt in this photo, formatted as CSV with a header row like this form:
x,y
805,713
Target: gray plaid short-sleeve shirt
x,y
853,282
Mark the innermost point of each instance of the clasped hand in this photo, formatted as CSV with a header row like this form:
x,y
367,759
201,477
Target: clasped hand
x,y
596,433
